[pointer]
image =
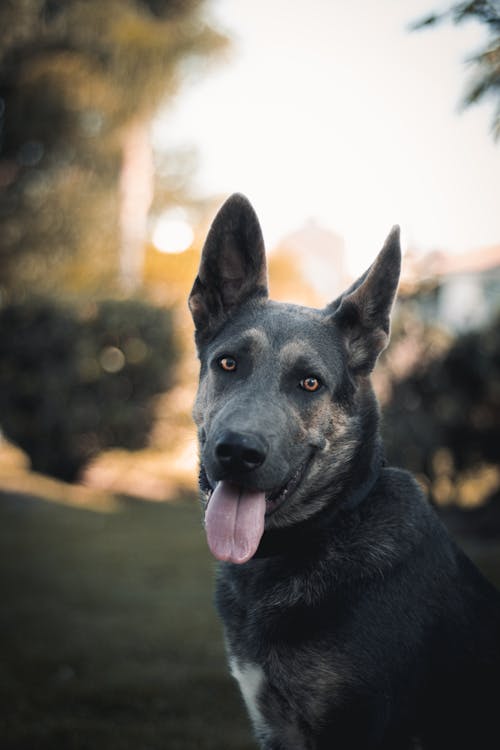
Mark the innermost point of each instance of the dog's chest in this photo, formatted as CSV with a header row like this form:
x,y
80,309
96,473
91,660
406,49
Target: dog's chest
x,y
289,669
287,696
266,708
251,680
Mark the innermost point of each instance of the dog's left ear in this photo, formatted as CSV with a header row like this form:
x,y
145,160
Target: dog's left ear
x,y
363,312
232,268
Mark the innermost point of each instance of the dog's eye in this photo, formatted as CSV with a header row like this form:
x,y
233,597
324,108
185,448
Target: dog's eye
x,y
310,384
227,363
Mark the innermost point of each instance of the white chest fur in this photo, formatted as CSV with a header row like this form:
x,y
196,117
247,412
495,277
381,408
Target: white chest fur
x,y
251,679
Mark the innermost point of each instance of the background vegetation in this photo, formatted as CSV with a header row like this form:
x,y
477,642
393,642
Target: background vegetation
x,y
72,385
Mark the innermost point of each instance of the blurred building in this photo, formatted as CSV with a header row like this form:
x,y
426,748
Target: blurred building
x,y
461,292
318,254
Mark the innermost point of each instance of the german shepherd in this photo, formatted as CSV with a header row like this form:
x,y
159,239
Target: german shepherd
x,y
352,621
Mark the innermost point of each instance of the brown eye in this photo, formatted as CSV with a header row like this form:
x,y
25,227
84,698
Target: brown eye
x,y
310,384
228,364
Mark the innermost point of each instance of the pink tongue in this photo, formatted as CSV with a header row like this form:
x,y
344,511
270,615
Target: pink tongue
x,y
234,522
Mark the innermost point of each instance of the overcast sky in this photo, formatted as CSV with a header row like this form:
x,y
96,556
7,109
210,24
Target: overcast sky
x,y
332,109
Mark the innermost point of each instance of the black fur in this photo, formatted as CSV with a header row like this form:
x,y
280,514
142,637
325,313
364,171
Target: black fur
x,y
357,623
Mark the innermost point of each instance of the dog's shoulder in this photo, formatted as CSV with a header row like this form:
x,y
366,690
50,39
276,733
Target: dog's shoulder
x,y
401,489
398,509
397,534
399,506
434,559
399,481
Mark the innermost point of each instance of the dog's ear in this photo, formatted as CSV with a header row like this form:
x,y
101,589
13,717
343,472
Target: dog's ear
x,y
363,312
232,268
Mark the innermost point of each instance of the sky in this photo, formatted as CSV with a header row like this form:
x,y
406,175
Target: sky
x,y
334,110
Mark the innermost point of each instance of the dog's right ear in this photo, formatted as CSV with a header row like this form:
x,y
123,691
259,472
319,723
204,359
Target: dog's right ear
x,y
232,268
362,313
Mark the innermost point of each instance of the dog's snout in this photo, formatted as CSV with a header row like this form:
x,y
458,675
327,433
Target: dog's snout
x,y
240,452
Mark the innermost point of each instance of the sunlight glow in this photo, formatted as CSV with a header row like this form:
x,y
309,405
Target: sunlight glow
x,y
172,234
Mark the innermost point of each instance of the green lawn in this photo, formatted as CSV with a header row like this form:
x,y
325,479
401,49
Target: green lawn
x,y
108,635
109,640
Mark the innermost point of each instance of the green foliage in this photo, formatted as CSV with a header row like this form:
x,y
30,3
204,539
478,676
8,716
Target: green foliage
x,y
72,384
451,402
485,78
92,66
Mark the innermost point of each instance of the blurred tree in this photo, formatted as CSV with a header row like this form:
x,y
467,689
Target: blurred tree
x,y
485,79
442,410
77,79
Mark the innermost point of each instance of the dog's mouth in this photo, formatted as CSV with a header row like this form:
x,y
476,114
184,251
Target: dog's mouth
x,y
235,516
275,499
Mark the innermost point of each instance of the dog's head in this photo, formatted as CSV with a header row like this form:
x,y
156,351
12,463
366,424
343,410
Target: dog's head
x,y
286,416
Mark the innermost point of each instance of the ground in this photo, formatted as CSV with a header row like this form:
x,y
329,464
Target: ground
x,y
108,635
109,640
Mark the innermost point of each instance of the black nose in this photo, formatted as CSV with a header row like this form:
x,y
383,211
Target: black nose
x,y
240,452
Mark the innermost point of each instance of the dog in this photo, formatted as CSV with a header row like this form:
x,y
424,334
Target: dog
x,y
351,618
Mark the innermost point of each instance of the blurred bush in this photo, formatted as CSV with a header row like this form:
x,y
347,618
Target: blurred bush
x,y
76,381
442,413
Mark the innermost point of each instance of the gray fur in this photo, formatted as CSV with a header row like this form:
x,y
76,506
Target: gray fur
x,y
357,623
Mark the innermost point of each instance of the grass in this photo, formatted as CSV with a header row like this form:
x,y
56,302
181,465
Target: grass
x,y
108,635
109,638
